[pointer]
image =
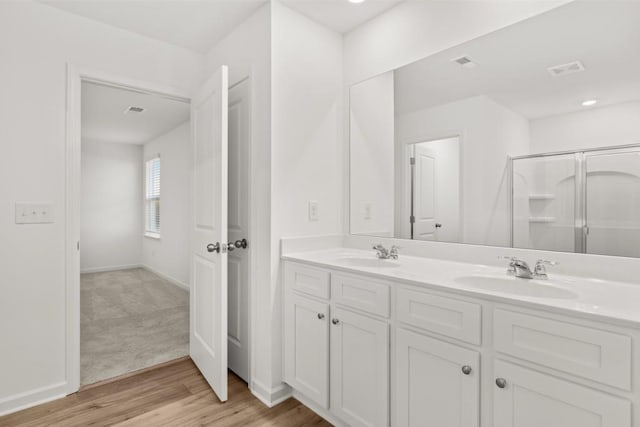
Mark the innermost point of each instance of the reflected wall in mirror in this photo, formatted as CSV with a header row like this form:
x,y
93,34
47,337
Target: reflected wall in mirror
x,y
526,137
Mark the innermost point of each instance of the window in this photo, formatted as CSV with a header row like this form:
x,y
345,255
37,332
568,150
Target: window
x,y
152,198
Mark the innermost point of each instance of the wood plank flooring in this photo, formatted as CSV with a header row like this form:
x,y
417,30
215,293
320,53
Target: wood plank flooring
x,y
174,394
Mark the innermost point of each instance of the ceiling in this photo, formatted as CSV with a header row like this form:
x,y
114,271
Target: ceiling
x,y
513,62
103,118
340,15
198,25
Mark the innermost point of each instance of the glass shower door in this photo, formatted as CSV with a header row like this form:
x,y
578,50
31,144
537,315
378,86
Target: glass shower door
x,y
612,196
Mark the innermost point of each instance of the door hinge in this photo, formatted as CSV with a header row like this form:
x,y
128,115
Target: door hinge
x,y
412,219
412,161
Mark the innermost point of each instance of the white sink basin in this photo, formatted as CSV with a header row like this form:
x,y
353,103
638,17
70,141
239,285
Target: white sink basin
x,y
369,262
516,286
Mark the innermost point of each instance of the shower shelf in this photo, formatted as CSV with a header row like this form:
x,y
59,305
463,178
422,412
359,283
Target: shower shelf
x,y
542,196
542,219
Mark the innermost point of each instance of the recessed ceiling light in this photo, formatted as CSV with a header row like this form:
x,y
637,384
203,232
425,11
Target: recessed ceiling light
x,y
589,102
356,1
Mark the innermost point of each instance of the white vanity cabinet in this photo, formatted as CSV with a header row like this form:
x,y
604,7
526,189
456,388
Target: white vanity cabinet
x,y
526,398
306,352
450,360
438,384
336,350
359,380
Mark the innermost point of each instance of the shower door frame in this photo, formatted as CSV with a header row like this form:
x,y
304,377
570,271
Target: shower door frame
x,y
580,209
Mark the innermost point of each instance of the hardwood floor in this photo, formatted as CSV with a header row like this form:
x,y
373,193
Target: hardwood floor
x,y
174,394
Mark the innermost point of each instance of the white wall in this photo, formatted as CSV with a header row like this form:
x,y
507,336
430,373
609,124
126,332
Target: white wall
x,y
371,152
247,52
617,124
307,132
111,206
169,255
36,42
488,133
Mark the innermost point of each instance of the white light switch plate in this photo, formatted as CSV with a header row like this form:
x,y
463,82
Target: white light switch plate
x,y
313,210
34,213
367,211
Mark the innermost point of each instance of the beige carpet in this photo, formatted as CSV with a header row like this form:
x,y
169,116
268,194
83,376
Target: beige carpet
x,y
129,320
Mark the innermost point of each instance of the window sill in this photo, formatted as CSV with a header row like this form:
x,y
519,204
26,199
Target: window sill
x,y
155,236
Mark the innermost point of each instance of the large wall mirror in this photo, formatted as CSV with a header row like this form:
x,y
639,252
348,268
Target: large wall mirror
x,y
527,137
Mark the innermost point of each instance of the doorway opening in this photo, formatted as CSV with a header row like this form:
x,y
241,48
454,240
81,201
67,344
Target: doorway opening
x,y
134,232
217,148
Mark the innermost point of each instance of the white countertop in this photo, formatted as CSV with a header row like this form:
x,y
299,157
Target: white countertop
x,y
603,300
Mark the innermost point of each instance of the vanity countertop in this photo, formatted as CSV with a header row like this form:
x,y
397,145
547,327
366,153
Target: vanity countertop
x,y
603,300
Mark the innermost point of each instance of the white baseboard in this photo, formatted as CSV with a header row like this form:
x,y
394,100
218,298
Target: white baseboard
x,y
109,268
166,277
270,396
31,398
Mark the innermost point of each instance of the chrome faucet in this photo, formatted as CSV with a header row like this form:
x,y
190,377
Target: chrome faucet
x,y
521,269
384,253
539,271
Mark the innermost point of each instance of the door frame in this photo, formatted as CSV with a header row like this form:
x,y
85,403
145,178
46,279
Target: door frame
x,y
75,75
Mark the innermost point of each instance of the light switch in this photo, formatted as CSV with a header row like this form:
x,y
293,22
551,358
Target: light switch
x,y
34,213
367,211
313,210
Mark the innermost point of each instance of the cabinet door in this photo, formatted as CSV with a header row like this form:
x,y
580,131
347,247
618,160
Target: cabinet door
x,y
359,369
437,382
527,398
306,347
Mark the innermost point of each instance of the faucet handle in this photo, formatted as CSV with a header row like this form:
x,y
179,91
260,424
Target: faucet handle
x,y
393,251
540,272
511,270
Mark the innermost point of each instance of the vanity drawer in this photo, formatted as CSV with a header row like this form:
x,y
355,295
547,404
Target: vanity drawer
x,y
595,354
308,280
360,293
447,316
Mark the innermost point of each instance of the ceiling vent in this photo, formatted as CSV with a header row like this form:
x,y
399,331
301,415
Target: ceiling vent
x,y
132,109
564,69
464,61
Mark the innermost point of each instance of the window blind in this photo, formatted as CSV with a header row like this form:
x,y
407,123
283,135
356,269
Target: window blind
x,y
152,196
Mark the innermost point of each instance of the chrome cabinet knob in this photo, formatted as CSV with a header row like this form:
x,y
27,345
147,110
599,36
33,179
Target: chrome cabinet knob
x,y
213,248
320,316
231,246
501,382
335,321
241,244
466,369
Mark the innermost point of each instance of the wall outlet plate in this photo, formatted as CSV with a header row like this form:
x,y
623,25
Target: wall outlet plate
x,y
313,210
34,213
367,211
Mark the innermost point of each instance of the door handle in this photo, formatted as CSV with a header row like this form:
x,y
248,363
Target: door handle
x,y
238,244
438,225
213,248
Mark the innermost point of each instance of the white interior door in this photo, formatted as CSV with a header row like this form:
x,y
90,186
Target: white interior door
x,y
208,296
424,194
239,126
